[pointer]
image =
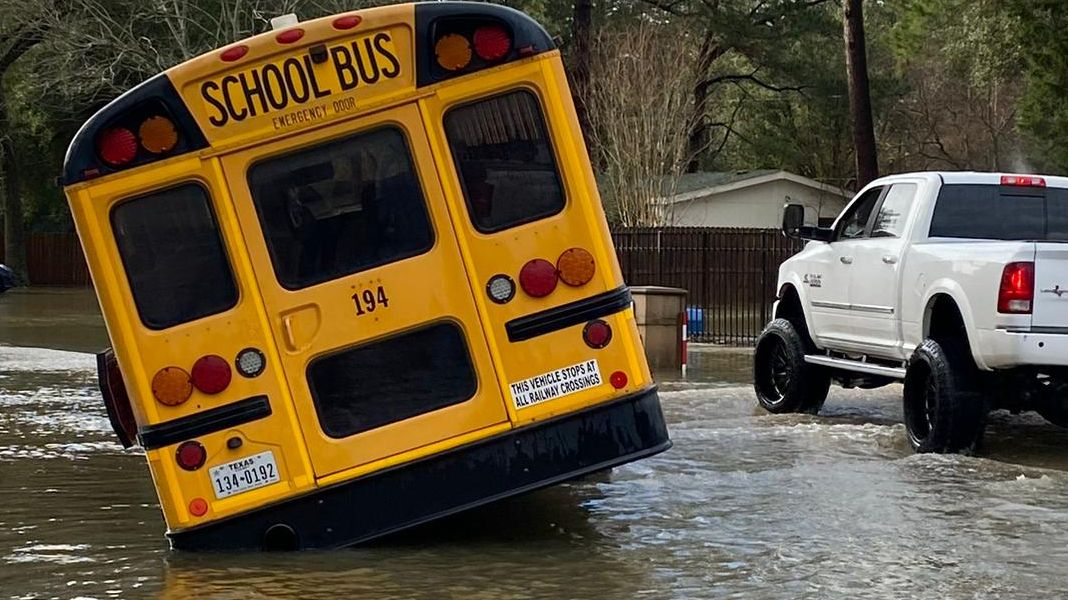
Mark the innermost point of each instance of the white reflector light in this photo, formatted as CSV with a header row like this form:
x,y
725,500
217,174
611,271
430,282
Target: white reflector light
x,y
250,362
500,288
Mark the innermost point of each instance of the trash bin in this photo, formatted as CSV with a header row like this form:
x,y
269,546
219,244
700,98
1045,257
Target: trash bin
x,y
659,312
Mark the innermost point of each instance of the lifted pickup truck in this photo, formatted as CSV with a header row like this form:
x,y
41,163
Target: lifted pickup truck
x,y
955,283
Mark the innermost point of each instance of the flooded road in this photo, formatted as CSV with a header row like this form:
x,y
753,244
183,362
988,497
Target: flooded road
x,y
745,505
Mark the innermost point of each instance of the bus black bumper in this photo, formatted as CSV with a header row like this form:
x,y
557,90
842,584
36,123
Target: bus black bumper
x,y
519,461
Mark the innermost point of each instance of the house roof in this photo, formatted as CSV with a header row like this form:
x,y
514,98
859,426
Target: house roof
x,y
706,183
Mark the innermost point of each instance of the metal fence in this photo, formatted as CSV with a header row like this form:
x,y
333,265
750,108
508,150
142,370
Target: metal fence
x,y
730,274
54,259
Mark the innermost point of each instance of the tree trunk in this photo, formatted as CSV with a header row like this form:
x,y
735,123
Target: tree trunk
x,y
581,37
14,231
860,93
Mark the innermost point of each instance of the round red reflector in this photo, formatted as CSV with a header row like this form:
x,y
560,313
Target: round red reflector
x,y
198,507
117,146
597,334
191,455
538,278
234,53
211,374
492,42
289,36
347,22
618,380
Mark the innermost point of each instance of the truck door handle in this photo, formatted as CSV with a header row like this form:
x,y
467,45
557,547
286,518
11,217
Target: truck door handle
x,y
846,260
889,259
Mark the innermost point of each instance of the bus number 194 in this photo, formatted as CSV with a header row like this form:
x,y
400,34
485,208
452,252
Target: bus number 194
x,y
368,300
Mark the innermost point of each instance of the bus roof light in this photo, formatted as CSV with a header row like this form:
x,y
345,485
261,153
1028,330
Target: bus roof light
x,y
117,146
453,52
347,22
158,135
211,374
492,42
234,53
172,386
289,36
538,278
576,266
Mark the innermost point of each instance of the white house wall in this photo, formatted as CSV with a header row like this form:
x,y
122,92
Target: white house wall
x,y
758,205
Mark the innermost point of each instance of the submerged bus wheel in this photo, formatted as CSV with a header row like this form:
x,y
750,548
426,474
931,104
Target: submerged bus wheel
x,y
280,538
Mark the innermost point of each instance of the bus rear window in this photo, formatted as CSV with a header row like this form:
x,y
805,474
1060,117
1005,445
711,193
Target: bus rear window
x,y
505,161
174,257
341,207
994,212
391,380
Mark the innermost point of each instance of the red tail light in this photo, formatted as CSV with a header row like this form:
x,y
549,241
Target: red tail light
x,y
1017,291
1023,180
618,380
191,455
538,278
597,334
492,42
211,374
117,146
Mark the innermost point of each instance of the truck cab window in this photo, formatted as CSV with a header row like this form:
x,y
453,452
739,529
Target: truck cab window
x,y
894,211
854,223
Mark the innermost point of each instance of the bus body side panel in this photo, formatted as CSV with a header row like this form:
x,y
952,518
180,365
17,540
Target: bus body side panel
x,y
141,352
580,224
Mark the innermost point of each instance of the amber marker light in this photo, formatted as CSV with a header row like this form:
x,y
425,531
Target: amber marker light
x,y
453,52
158,135
172,386
576,267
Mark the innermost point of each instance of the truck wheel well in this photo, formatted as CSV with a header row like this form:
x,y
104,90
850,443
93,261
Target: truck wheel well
x,y
789,307
943,321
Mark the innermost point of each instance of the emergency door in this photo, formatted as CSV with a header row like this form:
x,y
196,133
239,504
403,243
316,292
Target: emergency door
x,y
365,290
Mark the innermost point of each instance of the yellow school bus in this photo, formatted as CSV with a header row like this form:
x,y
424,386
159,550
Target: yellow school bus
x,y
357,276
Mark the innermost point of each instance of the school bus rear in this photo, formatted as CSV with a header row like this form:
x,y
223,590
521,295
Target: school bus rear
x,y
357,276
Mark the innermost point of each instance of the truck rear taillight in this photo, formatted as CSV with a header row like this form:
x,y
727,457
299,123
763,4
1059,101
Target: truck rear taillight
x,y
1017,291
538,278
1023,181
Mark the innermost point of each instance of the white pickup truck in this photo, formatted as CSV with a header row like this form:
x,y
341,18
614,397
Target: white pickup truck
x,y
955,283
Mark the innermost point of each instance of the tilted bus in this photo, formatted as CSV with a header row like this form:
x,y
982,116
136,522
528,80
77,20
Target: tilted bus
x,y
356,276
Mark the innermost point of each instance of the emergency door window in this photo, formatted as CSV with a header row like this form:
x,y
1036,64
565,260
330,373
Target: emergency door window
x,y
341,207
391,380
174,257
505,161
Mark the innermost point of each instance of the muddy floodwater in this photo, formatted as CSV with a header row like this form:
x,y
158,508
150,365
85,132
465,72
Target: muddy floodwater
x,y
745,505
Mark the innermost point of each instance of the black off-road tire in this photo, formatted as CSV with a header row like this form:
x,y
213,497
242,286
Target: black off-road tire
x,y
944,409
783,381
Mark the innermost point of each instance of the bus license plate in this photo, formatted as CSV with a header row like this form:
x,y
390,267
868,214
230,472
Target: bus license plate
x,y
243,475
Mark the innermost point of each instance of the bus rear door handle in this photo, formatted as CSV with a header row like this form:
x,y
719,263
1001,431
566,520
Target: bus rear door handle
x,y
287,333
846,260
889,259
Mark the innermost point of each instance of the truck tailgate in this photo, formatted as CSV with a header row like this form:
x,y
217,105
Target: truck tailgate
x,y
1051,285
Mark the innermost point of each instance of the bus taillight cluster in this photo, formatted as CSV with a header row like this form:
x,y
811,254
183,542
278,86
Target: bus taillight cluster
x,y
119,145
490,43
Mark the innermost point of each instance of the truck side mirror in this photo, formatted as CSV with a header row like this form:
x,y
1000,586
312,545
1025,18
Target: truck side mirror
x,y
793,220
